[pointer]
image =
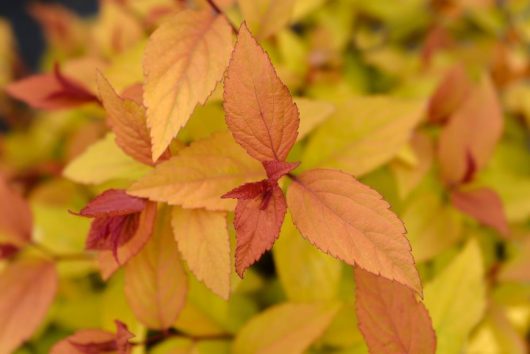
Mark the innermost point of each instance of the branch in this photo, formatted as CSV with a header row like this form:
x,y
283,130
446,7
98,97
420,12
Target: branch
x,y
220,12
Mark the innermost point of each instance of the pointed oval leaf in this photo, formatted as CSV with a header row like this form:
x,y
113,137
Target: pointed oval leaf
x,y
155,281
184,60
203,241
127,120
390,317
200,174
16,223
352,222
456,299
367,133
459,139
484,205
28,288
287,328
258,222
260,111
113,202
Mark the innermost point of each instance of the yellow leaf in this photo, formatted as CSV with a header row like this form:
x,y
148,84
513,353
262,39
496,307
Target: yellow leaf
x,y
266,17
203,240
184,59
312,113
102,162
363,134
456,299
286,328
155,281
432,226
200,174
311,275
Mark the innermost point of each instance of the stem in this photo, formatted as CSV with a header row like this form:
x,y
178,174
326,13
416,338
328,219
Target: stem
x,y
61,257
220,12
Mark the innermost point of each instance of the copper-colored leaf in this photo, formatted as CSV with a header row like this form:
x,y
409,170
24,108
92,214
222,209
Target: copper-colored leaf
x,y
461,140
203,240
95,341
108,260
352,222
200,174
155,281
260,111
50,91
452,91
184,59
258,222
127,120
28,288
484,205
113,202
390,317
16,222
277,169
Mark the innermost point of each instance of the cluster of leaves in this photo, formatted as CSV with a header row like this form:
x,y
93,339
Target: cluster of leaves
x,y
119,231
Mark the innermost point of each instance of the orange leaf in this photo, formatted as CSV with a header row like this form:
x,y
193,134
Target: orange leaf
x,y
155,281
16,223
127,120
96,341
452,91
460,140
28,288
258,222
352,222
108,263
50,91
200,174
390,318
184,60
484,205
203,240
260,111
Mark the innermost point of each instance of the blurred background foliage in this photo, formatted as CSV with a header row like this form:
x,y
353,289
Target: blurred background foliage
x,y
476,278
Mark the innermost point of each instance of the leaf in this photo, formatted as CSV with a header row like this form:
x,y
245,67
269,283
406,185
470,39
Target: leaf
x,y
450,94
286,328
102,162
459,139
266,17
456,299
107,259
312,114
367,133
96,341
155,281
351,221
310,275
16,223
200,174
258,220
432,224
184,60
203,241
390,317
50,91
127,120
28,289
113,202
484,205
266,125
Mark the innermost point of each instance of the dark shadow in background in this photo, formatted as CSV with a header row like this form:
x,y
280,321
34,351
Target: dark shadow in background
x,y
29,35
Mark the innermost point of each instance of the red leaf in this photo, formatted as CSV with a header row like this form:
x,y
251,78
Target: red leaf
x,y
113,202
257,223
260,111
247,191
484,205
277,169
95,341
50,91
7,250
390,318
